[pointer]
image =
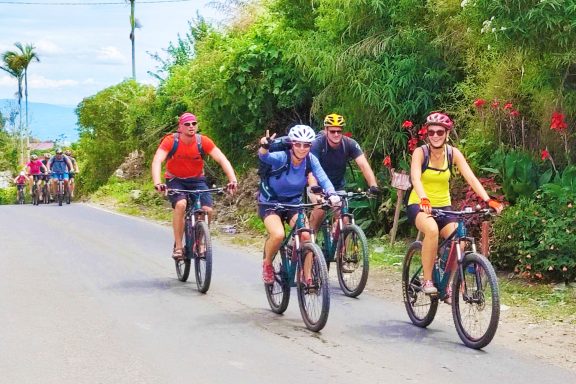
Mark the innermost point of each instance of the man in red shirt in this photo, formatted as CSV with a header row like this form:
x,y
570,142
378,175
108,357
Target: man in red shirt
x,y
185,170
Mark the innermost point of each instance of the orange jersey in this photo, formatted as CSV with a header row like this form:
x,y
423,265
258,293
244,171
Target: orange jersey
x,y
187,161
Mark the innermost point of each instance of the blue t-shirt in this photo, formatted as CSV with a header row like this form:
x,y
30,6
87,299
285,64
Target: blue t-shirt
x,y
334,160
58,165
292,182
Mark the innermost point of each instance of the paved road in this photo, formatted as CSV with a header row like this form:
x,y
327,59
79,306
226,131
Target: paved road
x,y
87,296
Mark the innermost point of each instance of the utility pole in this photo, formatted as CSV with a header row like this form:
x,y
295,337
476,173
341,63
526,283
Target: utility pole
x,y
133,38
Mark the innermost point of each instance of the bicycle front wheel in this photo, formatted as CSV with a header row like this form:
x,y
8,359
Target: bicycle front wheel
x,y
352,260
476,301
314,298
323,241
183,265
35,196
45,195
278,293
203,256
421,308
67,195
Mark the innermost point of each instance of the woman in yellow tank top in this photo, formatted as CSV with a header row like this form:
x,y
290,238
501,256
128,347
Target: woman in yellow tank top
x,y
431,189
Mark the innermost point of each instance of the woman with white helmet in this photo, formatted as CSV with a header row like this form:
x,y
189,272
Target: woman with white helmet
x,y
284,183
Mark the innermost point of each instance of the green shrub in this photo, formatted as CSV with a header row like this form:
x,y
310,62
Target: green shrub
x,y
8,195
536,236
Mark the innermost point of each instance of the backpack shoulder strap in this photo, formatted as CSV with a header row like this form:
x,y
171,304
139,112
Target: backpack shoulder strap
x,y
450,155
308,164
426,152
176,136
199,144
284,168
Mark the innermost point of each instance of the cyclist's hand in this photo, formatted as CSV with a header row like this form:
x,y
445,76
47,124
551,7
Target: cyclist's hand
x,y
425,205
232,187
334,201
495,205
160,187
265,141
374,190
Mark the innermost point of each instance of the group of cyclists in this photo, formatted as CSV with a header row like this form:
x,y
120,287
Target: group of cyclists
x,y
314,160
60,166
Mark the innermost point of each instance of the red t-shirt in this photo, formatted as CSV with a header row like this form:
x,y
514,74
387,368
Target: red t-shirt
x,y
21,180
187,161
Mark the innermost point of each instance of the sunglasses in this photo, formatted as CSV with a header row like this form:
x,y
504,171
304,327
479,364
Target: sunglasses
x,y
335,131
193,123
302,145
438,133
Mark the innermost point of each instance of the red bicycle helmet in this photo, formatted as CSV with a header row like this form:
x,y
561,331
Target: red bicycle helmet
x,y
439,118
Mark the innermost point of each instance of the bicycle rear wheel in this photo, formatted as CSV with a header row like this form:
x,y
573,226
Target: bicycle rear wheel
x,y
35,196
352,262
314,299
20,197
323,241
183,265
45,194
421,308
60,193
476,301
67,196
278,293
203,256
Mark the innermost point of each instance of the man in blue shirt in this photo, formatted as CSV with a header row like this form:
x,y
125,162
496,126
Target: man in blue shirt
x,y
334,150
59,166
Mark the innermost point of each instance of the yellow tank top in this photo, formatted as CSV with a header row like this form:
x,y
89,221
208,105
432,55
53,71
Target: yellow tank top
x,y
436,185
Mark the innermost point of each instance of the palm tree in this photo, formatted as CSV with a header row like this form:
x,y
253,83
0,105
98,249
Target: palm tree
x,y
27,55
14,68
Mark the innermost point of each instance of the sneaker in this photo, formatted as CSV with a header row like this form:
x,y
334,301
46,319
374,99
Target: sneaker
x,y
428,287
268,273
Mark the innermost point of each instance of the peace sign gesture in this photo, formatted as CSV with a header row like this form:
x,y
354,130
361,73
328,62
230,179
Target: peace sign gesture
x,y
265,141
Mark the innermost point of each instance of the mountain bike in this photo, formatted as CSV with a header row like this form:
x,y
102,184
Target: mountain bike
x,y
197,241
20,194
45,189
36,189
62,189
474,287
346,244
288,263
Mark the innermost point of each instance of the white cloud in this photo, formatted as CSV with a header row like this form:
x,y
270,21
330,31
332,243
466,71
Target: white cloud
x,y
110,55
7,81
41,82
47,48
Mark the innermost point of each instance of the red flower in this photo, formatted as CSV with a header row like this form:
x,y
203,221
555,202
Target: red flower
x,y
412,144
348,134
422,133
479,103
407,124
507,106
514,113
545,154
387,162
495,104
558,124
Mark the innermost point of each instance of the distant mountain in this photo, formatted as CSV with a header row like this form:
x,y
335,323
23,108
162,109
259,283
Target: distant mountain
x,y
47,121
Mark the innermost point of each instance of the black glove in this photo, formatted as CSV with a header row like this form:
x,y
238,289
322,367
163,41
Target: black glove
x,y
374,190
160,187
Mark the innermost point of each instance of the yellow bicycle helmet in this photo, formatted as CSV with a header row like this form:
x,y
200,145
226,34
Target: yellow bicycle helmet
x,y
334,120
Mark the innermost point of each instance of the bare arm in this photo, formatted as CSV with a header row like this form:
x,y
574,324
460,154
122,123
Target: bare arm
x,y
468,175
366,170
156,168
219,157
416,173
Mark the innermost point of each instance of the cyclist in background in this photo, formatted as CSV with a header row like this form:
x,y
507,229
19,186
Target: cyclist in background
x,y
334,151
73,171
185,170
47,157
431,189
21,181
288,187
59,166
36,169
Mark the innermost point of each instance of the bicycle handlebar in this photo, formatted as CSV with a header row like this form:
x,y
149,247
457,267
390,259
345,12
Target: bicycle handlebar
x,y
172,191
282,205
465,212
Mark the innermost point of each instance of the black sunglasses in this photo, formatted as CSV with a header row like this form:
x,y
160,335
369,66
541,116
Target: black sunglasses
x,y
193,123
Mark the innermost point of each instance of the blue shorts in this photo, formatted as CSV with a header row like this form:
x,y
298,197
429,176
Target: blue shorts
x,y
60,176
414,209
192,183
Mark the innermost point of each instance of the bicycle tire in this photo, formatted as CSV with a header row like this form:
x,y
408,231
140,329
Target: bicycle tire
x,y
481,295
183,265
421,308
21,197
203,256
35,197
278,293
60,193
67,195
45,194
314,300
348,264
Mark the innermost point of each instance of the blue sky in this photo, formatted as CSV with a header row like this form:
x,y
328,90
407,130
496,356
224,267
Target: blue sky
x,y
85,48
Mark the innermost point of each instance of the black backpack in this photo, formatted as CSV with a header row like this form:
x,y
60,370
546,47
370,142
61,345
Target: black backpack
x,y
265,170
425,163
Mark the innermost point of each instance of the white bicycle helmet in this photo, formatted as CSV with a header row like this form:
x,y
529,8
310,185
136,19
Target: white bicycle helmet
x,y
301,133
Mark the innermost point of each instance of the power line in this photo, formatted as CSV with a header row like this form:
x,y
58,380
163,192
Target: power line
x,y
84,3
